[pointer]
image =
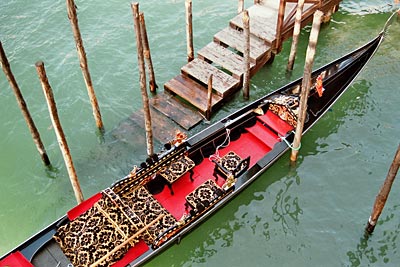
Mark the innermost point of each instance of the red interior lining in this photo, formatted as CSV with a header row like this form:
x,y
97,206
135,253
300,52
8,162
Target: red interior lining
x,y
264,134
276,123
84,206
246,145
132,254
15,260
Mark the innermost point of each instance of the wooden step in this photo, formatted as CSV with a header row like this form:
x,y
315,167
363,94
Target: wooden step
x,y
264,134
131,130
181,113
263,19
223,83
193,92
225,58
276,123
236,39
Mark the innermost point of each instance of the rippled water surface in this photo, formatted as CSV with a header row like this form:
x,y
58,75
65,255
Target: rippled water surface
x,y
309,215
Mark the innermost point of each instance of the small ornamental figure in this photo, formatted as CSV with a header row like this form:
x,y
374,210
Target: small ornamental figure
x,y
179,138
318,85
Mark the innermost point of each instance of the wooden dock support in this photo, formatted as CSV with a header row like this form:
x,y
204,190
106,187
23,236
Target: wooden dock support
x,y
296,33
72,16
279,25
383,194
209,97
62,141
147,55
142,74
22,105
189,30
305,86
246,55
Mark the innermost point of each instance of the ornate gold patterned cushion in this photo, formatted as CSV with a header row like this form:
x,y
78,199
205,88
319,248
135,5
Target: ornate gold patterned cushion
x,y
204,193
177,169
97,232
143,204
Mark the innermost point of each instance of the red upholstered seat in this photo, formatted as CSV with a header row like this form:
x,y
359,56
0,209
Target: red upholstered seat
x,y
134,252
276,123
15,260
84,206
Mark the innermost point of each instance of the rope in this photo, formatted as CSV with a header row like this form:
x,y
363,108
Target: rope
x,y
290,145
216,156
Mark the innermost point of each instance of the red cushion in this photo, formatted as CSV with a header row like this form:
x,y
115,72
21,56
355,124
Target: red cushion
x,y
132,254
84,206
15,260
276,123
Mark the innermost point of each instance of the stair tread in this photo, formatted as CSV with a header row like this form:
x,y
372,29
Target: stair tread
x,y
192,92
224,58
236,39
223,83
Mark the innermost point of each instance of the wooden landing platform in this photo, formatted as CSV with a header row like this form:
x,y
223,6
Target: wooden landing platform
x,y
223,57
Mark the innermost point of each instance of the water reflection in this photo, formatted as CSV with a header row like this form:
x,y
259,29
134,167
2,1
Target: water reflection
x,y
286,207
379,248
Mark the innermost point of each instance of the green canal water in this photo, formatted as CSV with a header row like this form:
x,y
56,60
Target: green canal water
x,y
309,215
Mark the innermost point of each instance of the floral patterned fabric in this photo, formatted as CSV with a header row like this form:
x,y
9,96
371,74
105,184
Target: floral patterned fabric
x,y
98,231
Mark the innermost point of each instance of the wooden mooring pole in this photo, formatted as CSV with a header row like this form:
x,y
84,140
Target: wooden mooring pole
x,y
279,25
240,6
383,194
306,82
246,54
296,33
209,97
189,30
147,55
24,108
142,79
73,18
62,141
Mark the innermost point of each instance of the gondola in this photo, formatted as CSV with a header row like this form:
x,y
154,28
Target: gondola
x,y
164,198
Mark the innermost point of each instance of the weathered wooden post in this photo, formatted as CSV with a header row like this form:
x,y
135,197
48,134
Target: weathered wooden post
x,y
383,194
296,33
305,86
71,9
189,30
22,105
246,78
142,75
278,39
62,141
147,54
209,97
240,6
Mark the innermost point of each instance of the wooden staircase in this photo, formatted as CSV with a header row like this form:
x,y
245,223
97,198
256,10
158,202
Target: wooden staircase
x,y
223,57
